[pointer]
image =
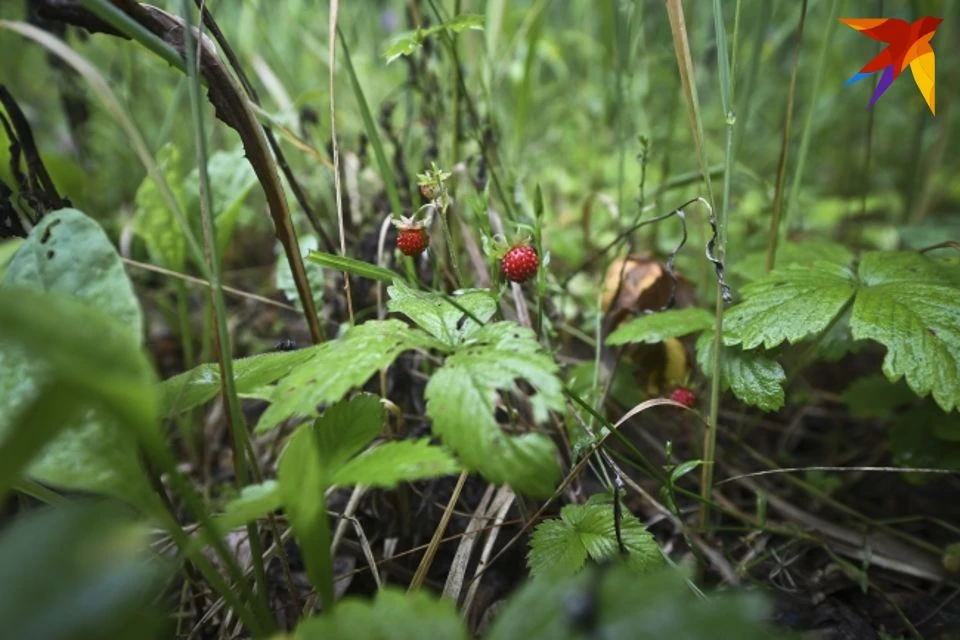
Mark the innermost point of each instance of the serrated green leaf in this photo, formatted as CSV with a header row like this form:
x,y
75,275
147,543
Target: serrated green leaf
x,y
200,384
617,603
436,315
754,378
394,462
460,403
392,615
69,255
560,547
325,376
255,501
911,305
154,222
314,453
789,305
754,266
657,327
355,267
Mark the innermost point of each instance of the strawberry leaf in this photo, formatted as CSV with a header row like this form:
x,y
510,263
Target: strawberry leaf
x,y
326,378
560,547
754,378
394,462
657,327
460,401
789,305
439,316
911,305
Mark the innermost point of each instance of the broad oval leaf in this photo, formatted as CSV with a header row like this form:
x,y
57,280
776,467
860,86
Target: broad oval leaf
x,y
657,327
69,254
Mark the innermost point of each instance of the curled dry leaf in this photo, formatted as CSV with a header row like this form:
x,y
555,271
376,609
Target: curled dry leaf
x,y
637,284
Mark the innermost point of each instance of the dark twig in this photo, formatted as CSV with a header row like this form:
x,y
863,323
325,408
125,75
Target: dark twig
x,y
298,193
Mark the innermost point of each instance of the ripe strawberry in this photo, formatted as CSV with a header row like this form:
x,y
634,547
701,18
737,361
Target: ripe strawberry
x,y
684,396
412,240
520,263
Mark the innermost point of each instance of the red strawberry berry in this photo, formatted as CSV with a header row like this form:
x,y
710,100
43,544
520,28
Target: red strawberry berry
x,y
520,263
412,241
684,396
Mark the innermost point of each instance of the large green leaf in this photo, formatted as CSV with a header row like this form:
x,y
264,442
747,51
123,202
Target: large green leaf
x,y
440,317
657,327
460,402
79,572
154,222
753,377
191,388
392,615
340,365
614,602
789,305
68,254
561,546
911,305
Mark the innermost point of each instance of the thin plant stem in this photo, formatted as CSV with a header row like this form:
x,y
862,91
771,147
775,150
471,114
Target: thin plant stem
x,y
773,237
235,419
825,52
338,188
710,431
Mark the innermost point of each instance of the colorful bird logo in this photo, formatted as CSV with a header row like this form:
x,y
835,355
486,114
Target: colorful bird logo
x,y
907,44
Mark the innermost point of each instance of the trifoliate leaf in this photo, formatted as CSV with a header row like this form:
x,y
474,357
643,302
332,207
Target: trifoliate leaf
x,y
911,305
340,365
614,602
754,266
789,305
394,462
392,615
460,402
657,327
754,378
440,317
191,388
560,547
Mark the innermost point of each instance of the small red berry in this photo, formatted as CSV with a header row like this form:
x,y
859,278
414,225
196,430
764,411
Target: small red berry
x,y
684,396
520,263
412,241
